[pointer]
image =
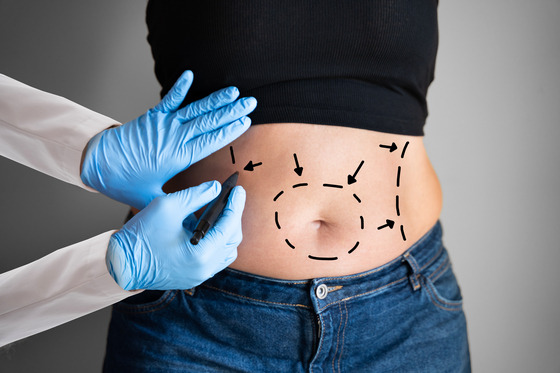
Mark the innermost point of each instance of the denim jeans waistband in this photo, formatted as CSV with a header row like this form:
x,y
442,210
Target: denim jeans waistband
x,y
320,293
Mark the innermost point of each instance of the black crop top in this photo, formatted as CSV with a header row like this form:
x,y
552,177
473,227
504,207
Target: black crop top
x,y
354,63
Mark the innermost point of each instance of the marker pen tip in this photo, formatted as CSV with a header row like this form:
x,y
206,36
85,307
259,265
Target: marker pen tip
x,y
197,235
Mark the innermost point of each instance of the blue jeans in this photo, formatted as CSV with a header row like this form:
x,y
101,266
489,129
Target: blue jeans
x,y
405,316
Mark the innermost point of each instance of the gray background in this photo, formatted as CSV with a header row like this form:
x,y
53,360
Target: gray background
x,y
492,134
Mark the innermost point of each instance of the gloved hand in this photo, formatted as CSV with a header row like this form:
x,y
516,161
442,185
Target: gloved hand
x,y
152,250
131,163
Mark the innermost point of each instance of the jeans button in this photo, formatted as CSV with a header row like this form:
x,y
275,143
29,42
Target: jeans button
x,y
322,291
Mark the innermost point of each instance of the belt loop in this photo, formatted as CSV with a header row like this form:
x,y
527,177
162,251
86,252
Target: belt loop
x,y
414,277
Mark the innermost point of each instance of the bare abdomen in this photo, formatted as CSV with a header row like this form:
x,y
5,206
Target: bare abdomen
x,y
323,223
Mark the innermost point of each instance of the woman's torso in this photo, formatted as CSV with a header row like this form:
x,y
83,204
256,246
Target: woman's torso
x,y
360,70
322,223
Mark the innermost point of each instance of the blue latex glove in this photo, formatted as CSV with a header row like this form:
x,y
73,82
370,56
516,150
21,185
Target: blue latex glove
x,y
152,250
131,163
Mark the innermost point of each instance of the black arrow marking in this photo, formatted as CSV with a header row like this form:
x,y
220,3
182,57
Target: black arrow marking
x,y
276,219
322,257
389,223
251,166
354,248
352,178
232,155
391,147
298,170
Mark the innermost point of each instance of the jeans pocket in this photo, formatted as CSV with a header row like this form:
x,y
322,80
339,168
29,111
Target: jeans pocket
x,y
146,301
443,289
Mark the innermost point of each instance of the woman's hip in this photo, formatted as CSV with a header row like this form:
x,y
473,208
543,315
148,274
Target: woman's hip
x,y
406,314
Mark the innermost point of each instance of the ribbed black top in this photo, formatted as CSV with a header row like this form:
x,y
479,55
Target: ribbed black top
x,y
353,63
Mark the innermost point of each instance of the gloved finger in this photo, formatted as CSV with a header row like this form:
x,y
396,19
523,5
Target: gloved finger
x,y
189,223
209,103
150,194
174,98
219,246
218,118
202,146
227,229
187,201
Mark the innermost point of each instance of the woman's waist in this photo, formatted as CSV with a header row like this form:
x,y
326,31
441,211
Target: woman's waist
x,y
323,200
427,256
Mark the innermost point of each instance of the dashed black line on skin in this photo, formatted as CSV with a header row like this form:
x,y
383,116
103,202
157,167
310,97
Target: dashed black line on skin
x,y
232,155
402,233
322,257
397,203
300,185
278,195
328,186
399,177
289,244
404,149
333,186
354,248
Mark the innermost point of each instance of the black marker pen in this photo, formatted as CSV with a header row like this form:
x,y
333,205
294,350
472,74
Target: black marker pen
x,y
214,209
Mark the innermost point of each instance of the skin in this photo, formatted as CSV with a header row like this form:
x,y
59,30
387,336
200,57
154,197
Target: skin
x,y
324,222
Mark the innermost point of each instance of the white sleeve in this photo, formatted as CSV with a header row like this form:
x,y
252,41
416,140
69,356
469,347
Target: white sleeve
x,y
48,133
60,287
45,131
